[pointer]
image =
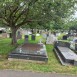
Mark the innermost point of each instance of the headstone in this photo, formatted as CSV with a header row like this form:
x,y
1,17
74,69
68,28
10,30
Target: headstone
x,y
10,35
26,38
44,35
51,39
76,46
33,37
0,31
62,44
4,35
65,37
19,36
40,41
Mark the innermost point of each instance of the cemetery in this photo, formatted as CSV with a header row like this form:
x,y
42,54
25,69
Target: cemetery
x,y
35,51
38,35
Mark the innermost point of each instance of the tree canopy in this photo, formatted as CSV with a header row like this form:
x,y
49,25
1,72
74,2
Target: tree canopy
x,y
16,13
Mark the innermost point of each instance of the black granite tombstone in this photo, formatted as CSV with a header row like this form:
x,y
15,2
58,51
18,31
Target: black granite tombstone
x,y
76,46
26,38
64,37
0,32
62,44
33,37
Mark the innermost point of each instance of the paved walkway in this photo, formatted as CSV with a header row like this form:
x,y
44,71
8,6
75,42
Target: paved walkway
x,y
11,73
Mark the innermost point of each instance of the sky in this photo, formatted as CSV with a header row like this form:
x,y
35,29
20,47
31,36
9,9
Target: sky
x,y
75,16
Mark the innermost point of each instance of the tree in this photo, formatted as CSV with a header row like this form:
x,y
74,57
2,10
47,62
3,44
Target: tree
x,y
71,25
16,13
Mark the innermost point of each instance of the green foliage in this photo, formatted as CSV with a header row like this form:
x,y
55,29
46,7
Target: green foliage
x,y
16,13
71,25
20,12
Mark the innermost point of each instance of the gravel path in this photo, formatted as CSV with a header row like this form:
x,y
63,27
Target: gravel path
x,y
11,73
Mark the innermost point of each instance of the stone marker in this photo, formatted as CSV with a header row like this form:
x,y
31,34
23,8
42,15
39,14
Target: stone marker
x,y
64,37
26,38
51,39
32,37
19,36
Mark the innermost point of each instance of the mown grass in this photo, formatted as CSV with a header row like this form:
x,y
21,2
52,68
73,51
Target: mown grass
x,y
53,64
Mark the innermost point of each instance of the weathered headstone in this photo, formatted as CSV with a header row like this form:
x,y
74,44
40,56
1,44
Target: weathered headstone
x,y
4,35
51,39
19,36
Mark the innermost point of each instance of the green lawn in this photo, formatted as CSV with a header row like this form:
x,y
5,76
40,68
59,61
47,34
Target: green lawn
x,y
53,64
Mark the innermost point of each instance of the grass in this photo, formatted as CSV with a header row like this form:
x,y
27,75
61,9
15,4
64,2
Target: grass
x,y
53,64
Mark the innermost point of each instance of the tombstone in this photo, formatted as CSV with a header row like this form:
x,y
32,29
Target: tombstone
x,y
32,37
4,35
1,31
26,38
51,39
62,44
44,35
10,35
64,37
76,46
19,36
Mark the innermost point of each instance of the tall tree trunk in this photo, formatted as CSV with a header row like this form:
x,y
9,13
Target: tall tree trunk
x,y
14,39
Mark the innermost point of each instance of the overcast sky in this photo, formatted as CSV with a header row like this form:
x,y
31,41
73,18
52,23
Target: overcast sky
x,y
75,16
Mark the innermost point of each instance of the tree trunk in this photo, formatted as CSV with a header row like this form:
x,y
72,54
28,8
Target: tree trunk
x,y
14,39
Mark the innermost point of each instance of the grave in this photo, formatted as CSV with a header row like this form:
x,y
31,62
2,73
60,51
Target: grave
x,y
19,36
51,39
26,38
73,45
10,35
31,52
65,54
33,37
64,37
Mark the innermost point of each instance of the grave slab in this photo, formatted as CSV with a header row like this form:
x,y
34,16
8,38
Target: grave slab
x,y
65,55
27,51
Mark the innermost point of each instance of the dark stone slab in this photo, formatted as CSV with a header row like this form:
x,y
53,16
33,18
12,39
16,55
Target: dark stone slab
x,y
35,52
67,55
